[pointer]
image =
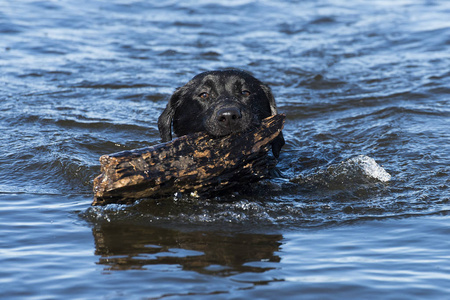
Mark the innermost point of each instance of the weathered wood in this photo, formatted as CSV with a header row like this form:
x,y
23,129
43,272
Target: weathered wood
x,y
194,163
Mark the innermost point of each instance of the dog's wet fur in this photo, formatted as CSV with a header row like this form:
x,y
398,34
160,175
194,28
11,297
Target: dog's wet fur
x,y
219,103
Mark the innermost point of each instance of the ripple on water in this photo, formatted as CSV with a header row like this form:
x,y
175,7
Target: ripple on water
x,y
353,77
332,191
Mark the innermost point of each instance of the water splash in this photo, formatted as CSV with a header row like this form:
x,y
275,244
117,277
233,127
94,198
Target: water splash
x,y
357,170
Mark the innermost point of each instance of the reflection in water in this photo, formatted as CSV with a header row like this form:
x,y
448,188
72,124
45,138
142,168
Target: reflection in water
x,y
134,247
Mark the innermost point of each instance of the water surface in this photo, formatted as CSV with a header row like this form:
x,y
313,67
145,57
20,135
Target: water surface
x,y
80,79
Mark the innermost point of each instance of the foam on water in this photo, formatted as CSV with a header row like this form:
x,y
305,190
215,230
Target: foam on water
x,y
354,171
368,167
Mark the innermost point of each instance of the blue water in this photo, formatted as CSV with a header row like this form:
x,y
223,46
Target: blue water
x,y
79,79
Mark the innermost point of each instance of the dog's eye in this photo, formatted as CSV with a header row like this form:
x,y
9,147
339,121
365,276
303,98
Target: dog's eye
x,y
204,95
245,93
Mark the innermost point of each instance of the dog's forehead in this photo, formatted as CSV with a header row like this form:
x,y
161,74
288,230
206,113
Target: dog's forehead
x,y
225,81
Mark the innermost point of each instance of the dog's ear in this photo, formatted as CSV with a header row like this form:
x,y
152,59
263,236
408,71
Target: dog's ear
x,y
165,119
269,95
277,144
279,141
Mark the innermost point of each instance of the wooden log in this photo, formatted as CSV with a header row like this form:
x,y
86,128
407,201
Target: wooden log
x,y
195,163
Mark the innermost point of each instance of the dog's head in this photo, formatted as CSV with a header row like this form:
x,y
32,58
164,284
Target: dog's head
x,y
220,103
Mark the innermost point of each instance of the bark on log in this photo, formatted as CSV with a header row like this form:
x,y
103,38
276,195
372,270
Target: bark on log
x,y
193,163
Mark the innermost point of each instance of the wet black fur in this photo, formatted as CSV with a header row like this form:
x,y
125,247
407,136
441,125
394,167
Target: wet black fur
x,y
200,104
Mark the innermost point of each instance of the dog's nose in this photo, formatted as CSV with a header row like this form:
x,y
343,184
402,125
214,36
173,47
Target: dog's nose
x,y
229,116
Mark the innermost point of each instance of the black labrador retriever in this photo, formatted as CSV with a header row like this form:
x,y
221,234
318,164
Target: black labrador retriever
x,y
219,103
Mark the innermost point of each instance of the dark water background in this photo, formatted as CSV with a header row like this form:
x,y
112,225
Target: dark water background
x,y
79,79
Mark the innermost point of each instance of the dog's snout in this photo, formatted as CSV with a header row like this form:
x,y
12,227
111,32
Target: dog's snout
x,y
229,116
